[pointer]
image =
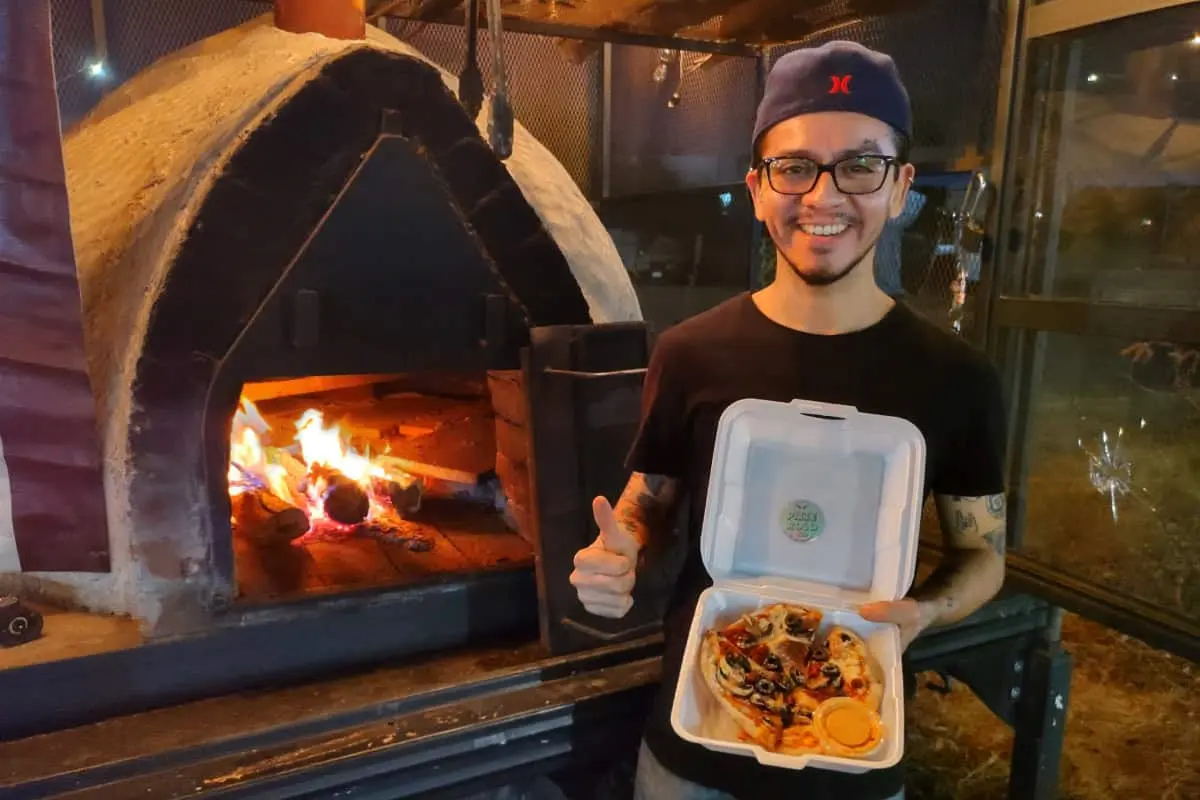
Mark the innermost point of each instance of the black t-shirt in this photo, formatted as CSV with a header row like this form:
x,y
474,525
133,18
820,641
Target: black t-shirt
x,y
901,366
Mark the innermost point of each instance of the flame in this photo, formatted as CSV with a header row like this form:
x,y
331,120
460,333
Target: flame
x,y
245,448
319,453
326,446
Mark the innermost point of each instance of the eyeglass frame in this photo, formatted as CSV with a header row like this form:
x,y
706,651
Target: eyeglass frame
x,y
890,162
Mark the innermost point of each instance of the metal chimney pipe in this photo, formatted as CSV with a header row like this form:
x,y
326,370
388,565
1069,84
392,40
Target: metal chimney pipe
x,y
337,19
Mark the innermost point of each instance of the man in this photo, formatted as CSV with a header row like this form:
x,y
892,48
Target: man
x,y
830,170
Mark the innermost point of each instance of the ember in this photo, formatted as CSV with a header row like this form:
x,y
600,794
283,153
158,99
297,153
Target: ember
x,y
317,476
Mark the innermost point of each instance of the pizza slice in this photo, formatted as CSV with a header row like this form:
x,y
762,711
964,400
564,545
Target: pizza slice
x,y
757,635
846,669
750,698
793,622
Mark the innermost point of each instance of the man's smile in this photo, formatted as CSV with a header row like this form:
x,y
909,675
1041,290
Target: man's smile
x,y
826,231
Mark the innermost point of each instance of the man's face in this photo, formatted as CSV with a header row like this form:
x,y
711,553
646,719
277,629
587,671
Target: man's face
x,y
824,234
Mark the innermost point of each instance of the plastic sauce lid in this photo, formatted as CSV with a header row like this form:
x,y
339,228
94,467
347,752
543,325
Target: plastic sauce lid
x,y
848,727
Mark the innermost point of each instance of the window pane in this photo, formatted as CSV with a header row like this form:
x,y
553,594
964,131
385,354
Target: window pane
x,y
1107,190
1113,494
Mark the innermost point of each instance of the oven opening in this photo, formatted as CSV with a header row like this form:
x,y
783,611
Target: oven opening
x,y
364,482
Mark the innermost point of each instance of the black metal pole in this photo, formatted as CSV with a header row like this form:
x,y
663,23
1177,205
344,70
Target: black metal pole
x,y
470,82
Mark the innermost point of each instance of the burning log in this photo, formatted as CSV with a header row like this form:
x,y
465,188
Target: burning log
x,y
264,518
405,499
345,501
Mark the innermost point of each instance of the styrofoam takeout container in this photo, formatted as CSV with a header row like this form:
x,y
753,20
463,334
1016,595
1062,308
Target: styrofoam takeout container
x,y
814,504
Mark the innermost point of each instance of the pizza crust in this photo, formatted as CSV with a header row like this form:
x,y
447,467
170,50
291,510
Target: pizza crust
x,y
874,696
800,740
748,718
852,655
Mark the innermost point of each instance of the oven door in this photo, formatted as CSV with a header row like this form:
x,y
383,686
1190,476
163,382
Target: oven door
x,y
1094,312
583,390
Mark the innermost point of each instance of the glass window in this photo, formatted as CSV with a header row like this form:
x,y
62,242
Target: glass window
x,y
1107,198
1113,489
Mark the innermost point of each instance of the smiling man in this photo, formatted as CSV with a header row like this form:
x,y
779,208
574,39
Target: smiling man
x,y
830,169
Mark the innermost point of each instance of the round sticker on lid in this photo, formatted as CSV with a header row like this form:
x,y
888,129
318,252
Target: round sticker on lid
x,y
802,520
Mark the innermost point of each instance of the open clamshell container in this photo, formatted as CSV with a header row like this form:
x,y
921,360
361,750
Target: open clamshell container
x,y
813,504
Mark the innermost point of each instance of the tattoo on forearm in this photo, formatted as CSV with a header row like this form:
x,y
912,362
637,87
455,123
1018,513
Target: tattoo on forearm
x,y
996,506
656,484
973,567
646,503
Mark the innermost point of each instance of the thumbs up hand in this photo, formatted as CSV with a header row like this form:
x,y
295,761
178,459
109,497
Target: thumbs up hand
x,y
605,570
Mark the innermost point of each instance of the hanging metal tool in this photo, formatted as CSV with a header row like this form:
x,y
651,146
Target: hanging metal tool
x,y
500,124
470,80
969,231
677,96
664,61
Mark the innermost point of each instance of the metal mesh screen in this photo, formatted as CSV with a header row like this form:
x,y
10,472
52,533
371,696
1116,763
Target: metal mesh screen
x,y
74,52
142,31
704,140
138,33
948,52
557,100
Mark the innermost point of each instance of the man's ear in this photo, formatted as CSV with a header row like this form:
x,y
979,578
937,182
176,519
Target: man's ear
x,y
904,180
754,179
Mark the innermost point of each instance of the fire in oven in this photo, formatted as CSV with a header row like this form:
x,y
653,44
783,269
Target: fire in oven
x,y
360,482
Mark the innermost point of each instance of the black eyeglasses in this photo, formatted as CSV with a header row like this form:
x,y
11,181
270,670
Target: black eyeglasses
x,y
862,174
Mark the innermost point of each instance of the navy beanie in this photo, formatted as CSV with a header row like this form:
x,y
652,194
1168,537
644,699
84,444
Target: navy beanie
x,y
837,76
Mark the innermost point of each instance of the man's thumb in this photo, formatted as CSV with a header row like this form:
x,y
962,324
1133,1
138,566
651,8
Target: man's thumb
x,y
613,537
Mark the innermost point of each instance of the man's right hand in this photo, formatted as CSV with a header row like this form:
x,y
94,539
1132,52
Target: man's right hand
x,y
606,569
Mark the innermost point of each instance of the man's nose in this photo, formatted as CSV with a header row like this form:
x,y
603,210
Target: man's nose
x,y
824,192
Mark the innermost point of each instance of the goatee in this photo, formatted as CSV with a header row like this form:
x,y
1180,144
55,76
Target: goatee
x,y
825,278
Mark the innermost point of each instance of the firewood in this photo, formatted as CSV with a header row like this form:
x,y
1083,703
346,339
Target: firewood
x,y
427,471
478,493
405,498
261,516
295,473
345,501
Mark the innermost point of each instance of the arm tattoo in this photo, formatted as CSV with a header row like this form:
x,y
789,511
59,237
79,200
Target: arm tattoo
x,y
973,523
646,504
973,567
996,506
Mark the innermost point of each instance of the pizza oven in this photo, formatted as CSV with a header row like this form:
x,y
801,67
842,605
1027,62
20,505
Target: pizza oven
x,y
341,351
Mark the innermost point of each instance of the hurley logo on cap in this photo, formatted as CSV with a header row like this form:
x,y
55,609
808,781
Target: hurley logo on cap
x,y
841,84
